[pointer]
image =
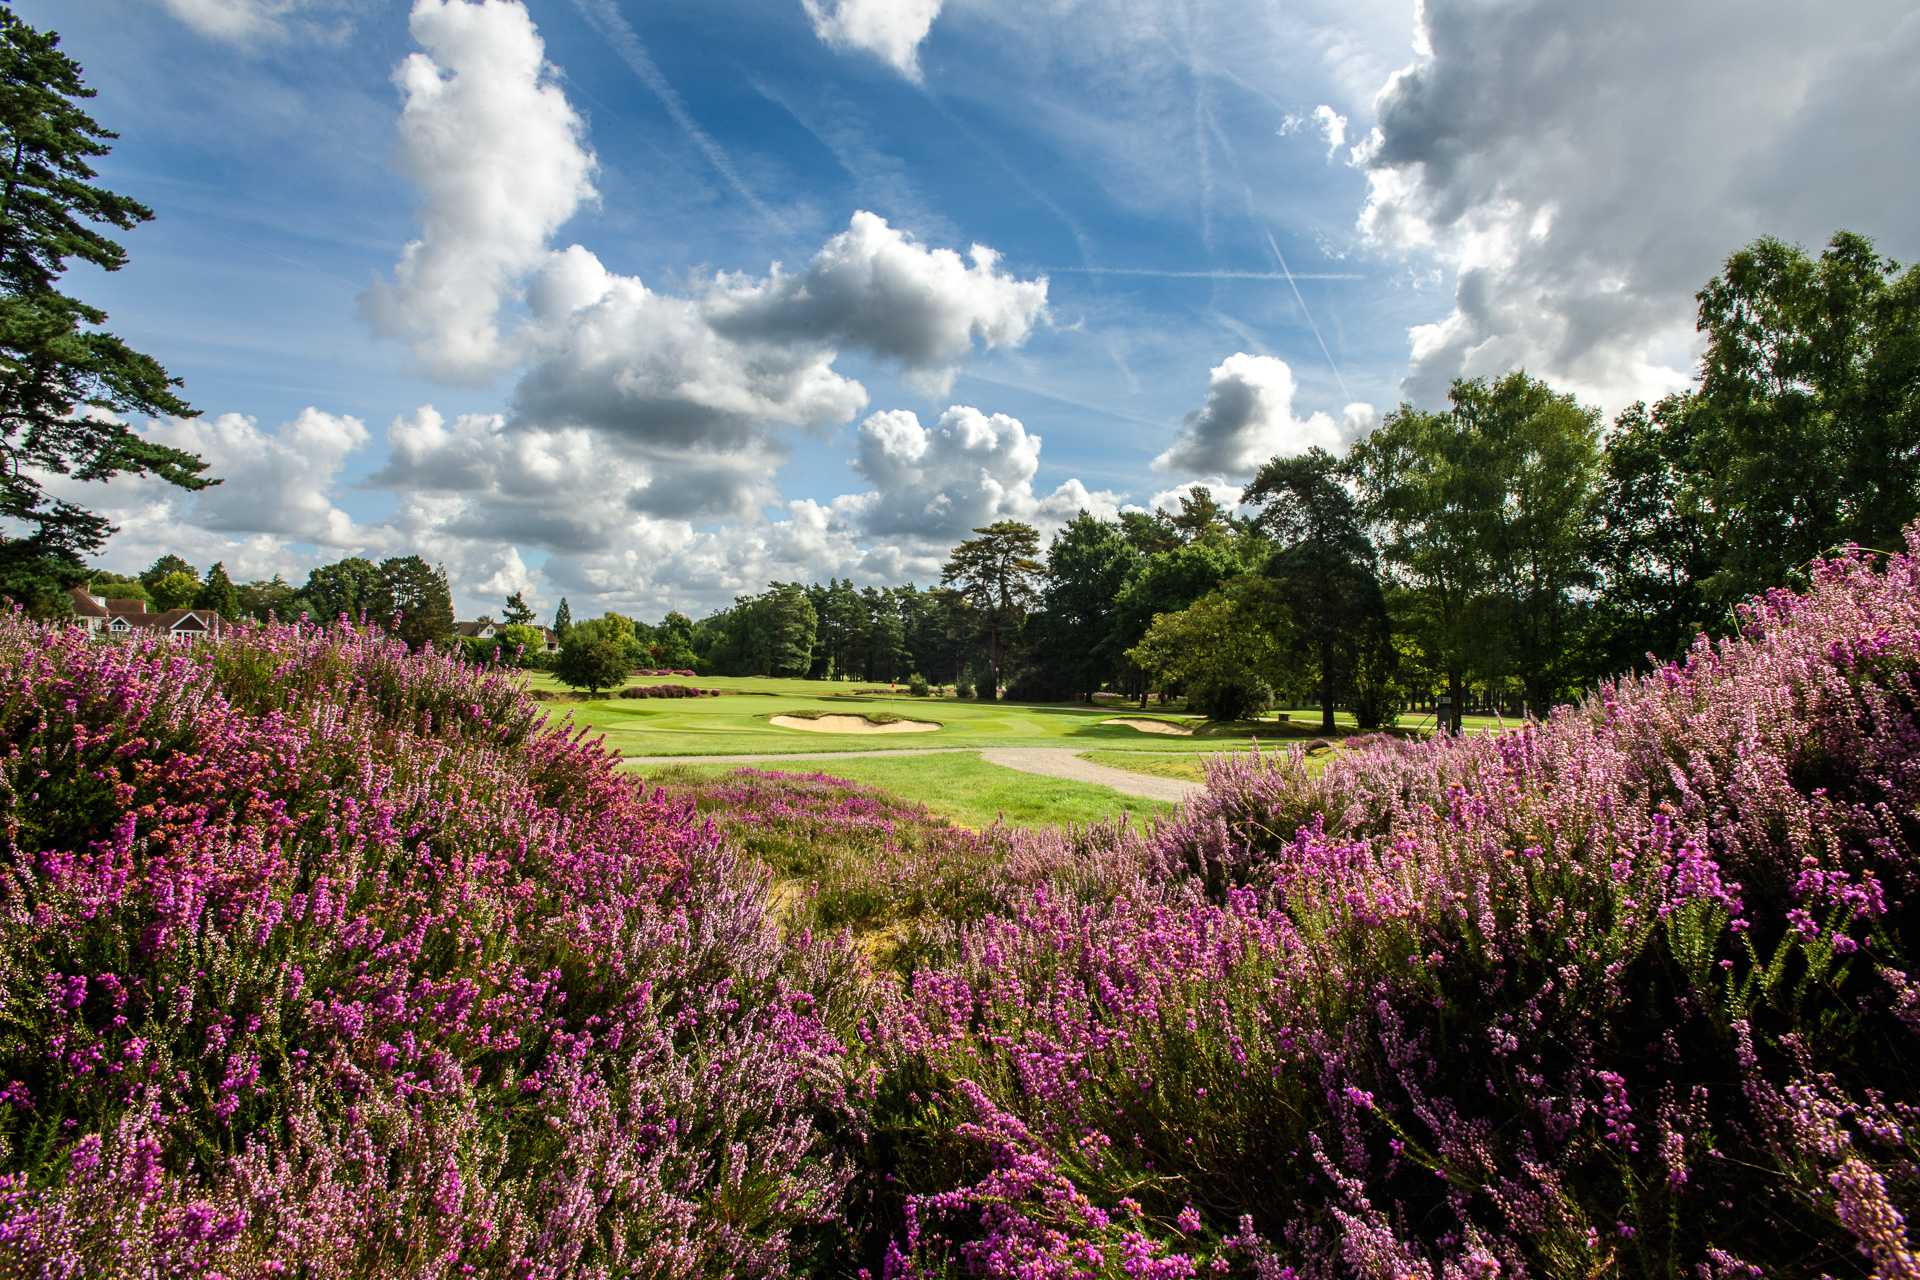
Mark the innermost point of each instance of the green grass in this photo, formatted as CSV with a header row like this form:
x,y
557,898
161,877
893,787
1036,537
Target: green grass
x,y
965,789
737,724
1189,766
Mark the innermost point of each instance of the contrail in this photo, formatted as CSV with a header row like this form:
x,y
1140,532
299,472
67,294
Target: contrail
x,y
604,16
1282,259
1160,274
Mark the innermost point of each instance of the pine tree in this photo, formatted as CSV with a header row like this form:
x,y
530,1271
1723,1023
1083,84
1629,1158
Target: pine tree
x,y
416,602
66,385
518,613
218,593
562,619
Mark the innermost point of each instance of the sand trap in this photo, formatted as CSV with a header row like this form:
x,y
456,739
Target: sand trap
x,y
851,724
1153,726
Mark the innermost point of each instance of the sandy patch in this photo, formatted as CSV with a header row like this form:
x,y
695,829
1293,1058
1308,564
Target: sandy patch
x,y
851,724
1153,726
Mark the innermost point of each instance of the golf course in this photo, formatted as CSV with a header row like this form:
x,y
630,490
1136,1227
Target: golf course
x,y
975,763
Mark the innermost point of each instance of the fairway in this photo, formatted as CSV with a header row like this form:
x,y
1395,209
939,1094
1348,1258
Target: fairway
x,y
961,788
739,722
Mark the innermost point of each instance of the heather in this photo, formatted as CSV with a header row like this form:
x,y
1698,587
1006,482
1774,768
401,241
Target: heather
x,y
325,957
322,958
1628,991
667,691
896,877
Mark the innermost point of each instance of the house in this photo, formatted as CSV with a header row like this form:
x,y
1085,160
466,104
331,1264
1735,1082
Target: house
x,y
483,629
118,619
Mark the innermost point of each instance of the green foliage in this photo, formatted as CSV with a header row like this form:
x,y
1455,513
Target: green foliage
x,y
518,612
348,588
110,586
591,658
997,572
413,599
562,619
70,385
1323,599
1077,638
1215,650
174,590
218,593
917,685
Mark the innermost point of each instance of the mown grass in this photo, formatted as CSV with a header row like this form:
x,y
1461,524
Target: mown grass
x,y
739,724
962,788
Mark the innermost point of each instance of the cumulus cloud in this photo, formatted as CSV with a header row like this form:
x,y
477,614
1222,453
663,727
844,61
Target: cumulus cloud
x,y
1583,171
890,30
969,469
1249,417
875,287
1330,124
652,369
501,161
276,496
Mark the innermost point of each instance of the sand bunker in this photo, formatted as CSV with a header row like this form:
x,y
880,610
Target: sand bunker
x,y
851,724
1153,726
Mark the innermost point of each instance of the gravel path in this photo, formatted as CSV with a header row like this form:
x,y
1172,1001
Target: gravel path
x,y
1048,762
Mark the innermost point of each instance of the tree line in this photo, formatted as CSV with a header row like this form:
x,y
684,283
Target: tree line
x,y
1505,551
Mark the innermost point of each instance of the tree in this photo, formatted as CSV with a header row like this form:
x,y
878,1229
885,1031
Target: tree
x,y
175,590
1323,571
349,588
217,593
591,658
998,572
66,385
518,614
274,599
111,586
1088,565
1216,650
415,601
1200,516
784,624
673,642
165,565
1807,417
562,619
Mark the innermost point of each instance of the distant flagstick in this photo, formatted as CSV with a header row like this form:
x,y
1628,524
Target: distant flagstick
x,y
1282,258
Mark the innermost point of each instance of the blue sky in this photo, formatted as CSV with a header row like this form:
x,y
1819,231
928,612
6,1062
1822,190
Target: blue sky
x,y
586,378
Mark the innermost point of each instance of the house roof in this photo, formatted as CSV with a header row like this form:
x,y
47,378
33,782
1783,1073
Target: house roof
x,y
479,628
176,620
86,604
116,606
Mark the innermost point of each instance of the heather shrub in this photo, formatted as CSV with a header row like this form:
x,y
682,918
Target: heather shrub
x,y
898,877
319,958
1626,992
667,691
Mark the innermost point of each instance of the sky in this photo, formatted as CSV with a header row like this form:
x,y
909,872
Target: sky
x,y
647,303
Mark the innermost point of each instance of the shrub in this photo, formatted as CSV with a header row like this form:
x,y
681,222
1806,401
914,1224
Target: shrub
x,y
667,691
318,958
963,687
1229,695
917,685
1626,993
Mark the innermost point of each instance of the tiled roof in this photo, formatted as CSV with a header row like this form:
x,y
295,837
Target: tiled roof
x,y
86,605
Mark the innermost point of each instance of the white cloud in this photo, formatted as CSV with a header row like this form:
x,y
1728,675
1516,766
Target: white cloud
x,y
934,484
501,161
246,22
1583,171
1331,125
875,287
1249,417
890,30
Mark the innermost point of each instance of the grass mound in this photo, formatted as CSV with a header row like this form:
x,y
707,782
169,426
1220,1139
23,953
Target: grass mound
x,y
318,958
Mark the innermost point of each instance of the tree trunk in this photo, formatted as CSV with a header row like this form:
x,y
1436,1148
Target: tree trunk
x,y
1326,687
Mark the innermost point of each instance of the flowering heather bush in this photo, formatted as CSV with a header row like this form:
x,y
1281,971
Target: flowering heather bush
x,y
667,691
320,959
1628,992
664,671
893,873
